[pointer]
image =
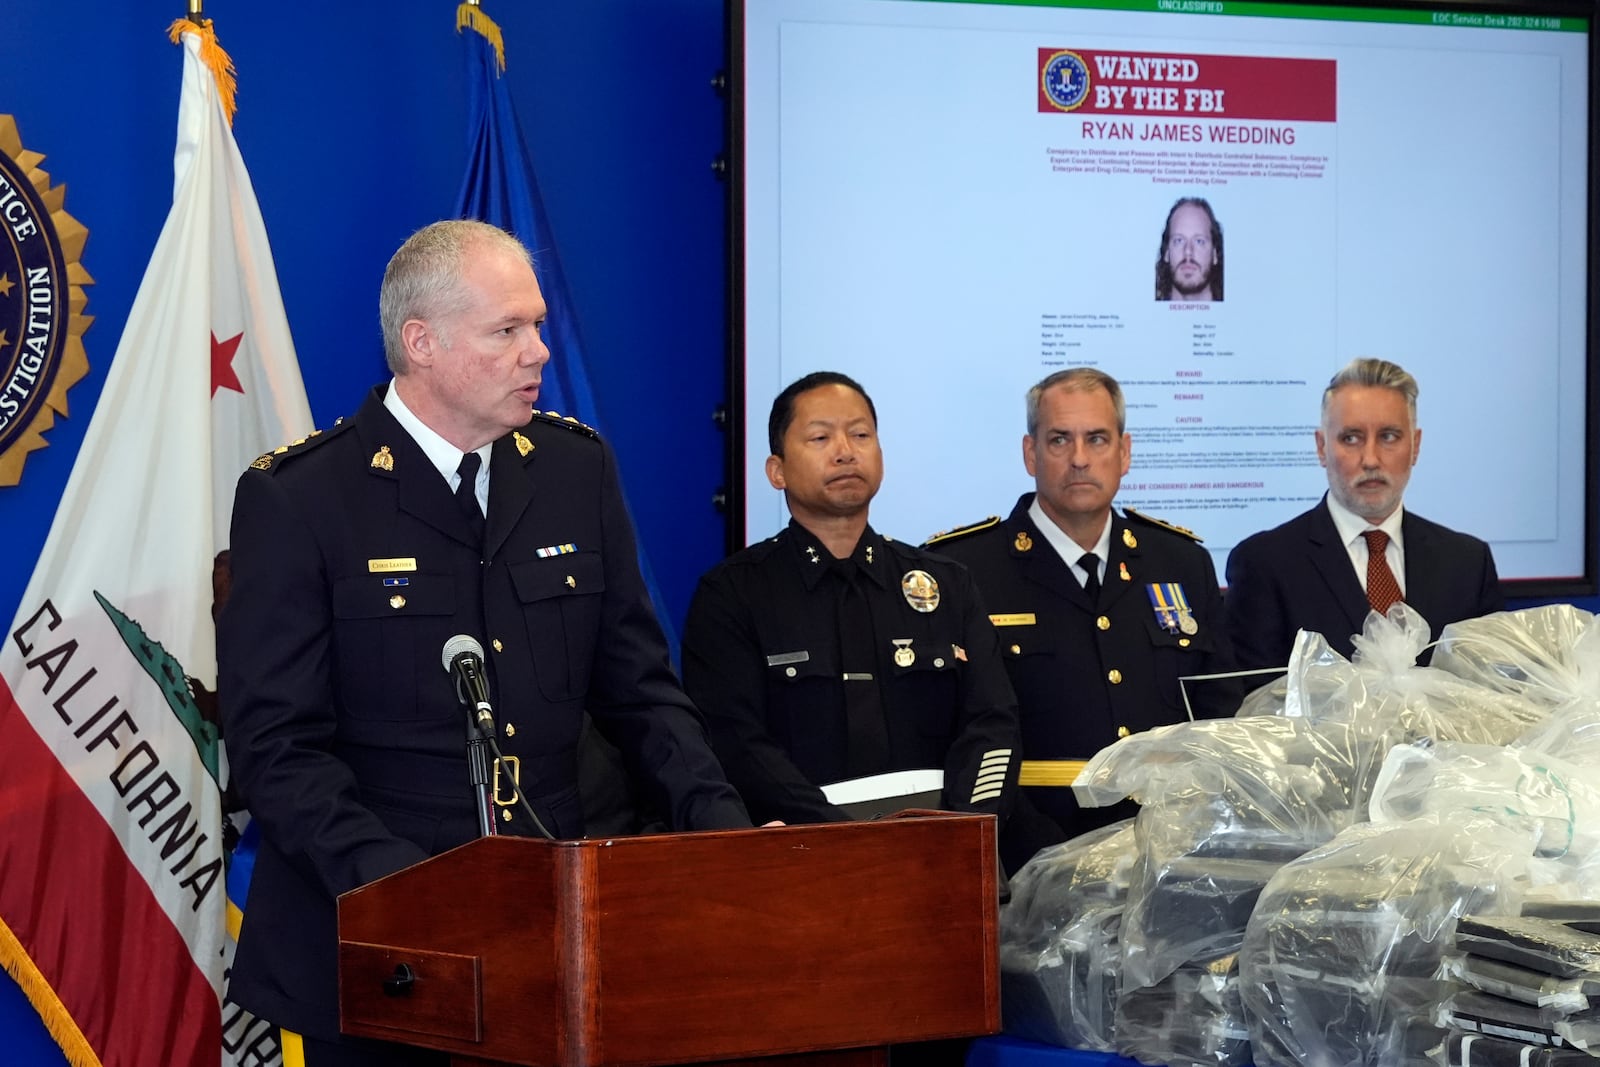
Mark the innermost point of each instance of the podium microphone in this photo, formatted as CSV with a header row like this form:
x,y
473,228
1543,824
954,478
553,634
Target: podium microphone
x,y
463,658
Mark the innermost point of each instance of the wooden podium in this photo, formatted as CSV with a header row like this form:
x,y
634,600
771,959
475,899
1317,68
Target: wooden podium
x,y
821,944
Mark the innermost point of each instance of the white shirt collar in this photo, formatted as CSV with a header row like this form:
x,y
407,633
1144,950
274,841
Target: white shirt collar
x,y
441,453
1068,549
1351,526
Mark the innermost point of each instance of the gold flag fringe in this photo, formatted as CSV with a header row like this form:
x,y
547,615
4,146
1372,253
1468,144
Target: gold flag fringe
x,y
215,59
51,1011
471,16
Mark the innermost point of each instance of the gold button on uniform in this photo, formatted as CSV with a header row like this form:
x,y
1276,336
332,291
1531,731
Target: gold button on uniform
x,y
1114,676
1123,731
498,647
1183,642
397,601
1103,622
1016,650
511,729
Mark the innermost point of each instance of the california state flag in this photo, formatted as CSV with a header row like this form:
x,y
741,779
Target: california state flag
x,y
112,856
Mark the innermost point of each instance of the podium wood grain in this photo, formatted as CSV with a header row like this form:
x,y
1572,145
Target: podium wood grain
x,y
818,945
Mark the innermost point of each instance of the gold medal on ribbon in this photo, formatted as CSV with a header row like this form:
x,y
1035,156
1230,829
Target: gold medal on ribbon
x,y
903,655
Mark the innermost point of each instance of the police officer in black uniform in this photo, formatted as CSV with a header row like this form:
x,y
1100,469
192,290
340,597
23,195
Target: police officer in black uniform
x,y
831,652
445,506
1099,614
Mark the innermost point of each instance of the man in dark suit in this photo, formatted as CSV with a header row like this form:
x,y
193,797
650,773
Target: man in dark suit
x,y
445,506
1099,614
1359,550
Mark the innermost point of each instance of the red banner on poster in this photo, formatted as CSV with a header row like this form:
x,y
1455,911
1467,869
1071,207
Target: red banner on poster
x,y
1087,82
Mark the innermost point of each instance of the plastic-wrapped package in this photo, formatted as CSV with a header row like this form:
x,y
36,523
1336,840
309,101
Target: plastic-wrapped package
x,y
1203,863
1059,952
1388,699
1476,1050
1546,654
1568,996
1340,959
1483,1013
1541,945
1191,1018
1225,802
1579,914
1572,732
1294,773
1559,800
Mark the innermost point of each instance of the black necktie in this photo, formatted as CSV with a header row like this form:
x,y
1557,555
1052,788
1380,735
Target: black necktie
x,y
1091,563
467,494
866,732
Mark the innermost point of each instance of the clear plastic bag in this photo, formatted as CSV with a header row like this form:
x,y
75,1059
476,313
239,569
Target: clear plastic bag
x,y
1191,1018
1225,802
1564,996
1546,654
1483,1013
1559,801
1059,951
1340,962
1572,732
1284,772
1386,699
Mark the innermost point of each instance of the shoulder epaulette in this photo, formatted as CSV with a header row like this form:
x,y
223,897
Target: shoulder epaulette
x,y
1151,520
961,531
566,422
267,460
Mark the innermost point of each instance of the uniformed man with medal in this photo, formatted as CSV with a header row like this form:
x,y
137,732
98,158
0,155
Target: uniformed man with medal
x,y
1099,614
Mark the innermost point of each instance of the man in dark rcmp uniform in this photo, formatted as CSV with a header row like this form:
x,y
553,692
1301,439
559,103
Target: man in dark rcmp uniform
x,y
831,652
1099,614
445,506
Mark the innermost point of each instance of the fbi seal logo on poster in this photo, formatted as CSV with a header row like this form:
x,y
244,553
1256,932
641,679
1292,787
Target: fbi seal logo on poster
x,y
41,302
1064,79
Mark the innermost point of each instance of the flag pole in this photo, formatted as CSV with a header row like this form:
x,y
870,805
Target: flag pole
x,y
197,12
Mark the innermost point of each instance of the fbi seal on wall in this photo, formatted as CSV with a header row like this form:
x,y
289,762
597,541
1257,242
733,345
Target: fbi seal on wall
x,y
42,301
1064,78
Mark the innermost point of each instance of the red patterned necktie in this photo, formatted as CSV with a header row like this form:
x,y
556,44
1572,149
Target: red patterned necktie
x,y
1382,589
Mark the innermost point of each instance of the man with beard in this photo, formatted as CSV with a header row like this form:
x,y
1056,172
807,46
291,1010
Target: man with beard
x,y
1359,549
1099,614
1189,261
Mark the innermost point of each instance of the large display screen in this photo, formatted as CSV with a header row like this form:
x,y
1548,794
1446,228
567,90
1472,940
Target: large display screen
x,y
950,200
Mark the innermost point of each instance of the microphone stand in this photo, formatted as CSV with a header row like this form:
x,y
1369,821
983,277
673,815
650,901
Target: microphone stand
x,y
478,770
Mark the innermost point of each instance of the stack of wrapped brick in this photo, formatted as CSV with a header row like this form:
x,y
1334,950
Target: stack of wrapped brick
x,y
1291,887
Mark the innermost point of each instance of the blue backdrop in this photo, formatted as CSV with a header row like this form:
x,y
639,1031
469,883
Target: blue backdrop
x,y
351,120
